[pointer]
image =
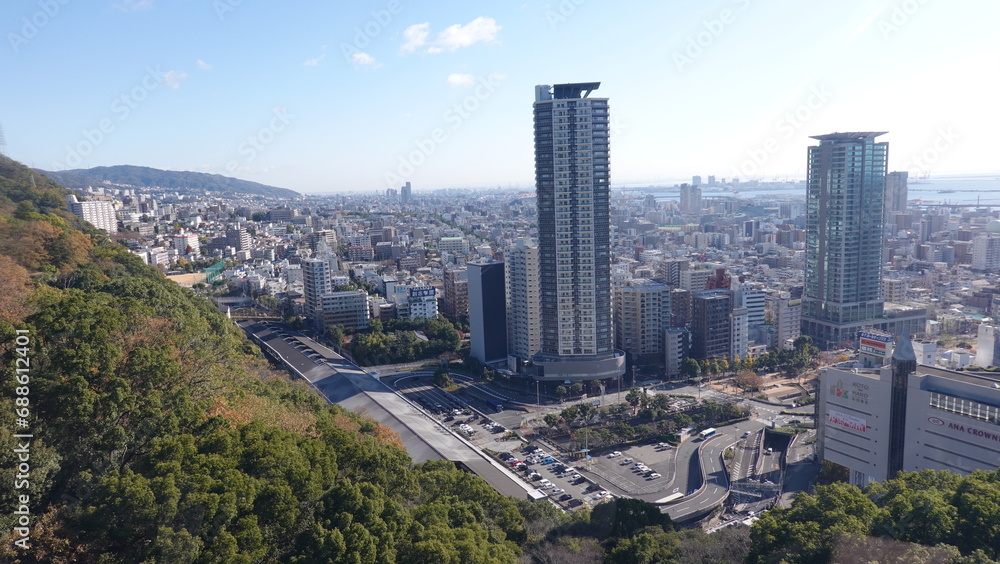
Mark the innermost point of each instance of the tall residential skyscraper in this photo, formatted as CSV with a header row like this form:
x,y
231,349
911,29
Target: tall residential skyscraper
x,y
524,336
845,195
405,193
316,284
690,200
896,193
574,232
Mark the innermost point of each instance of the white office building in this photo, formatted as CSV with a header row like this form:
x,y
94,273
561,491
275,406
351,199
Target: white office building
x,y
786,314
908,417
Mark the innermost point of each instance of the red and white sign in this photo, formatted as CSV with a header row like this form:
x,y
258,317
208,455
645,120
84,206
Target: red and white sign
x,y
851,422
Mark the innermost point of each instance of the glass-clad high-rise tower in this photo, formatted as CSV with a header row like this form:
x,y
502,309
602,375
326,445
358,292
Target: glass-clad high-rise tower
x,y
574,248
844,213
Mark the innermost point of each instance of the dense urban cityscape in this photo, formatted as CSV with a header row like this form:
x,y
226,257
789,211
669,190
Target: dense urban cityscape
x,y
571,296
371,284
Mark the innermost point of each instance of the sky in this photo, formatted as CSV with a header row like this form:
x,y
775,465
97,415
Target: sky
x,y
326,97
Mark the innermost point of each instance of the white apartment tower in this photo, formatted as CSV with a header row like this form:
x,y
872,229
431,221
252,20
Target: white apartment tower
x,y
524,326
316,283
99,213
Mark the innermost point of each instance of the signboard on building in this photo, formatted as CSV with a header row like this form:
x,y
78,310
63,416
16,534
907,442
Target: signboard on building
x,y
847,421
875,348
422,291
874,343
855,391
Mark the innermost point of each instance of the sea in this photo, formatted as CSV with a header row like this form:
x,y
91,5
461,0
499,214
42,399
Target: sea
x,y
969,190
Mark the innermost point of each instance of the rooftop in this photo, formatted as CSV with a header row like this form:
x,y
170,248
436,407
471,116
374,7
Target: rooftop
x,y
849,136
574,90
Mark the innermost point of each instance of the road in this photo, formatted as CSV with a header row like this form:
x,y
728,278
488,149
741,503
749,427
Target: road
x,y
716,486
695,468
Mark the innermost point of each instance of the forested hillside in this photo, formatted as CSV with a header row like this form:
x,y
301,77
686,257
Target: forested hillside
x,y
159,434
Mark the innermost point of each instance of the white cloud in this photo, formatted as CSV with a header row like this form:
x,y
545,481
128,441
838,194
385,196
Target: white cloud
x,y
453,38
315,61
134,5
364,59
203,65
458,79
172,79
457,36
415,37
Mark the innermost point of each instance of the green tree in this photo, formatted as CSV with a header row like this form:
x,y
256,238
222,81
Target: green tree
x,y
690,368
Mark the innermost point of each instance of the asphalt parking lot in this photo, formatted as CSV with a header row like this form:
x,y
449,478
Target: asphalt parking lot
x,y
638,469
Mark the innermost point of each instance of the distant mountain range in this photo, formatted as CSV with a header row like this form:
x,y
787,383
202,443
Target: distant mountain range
x,y
142,177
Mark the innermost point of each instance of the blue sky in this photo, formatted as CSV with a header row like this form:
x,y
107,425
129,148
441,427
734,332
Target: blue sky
x,y
361,96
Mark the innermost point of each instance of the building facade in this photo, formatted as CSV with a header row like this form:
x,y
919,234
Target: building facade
x,y
524,325
642,317
908,417
786,315
348,308
456,292
711,323
572,182
845,192
896,194
487,311
99,213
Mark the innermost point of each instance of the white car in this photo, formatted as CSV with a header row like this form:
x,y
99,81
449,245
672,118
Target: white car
x,y
654,476
626,461
614,454
557,491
